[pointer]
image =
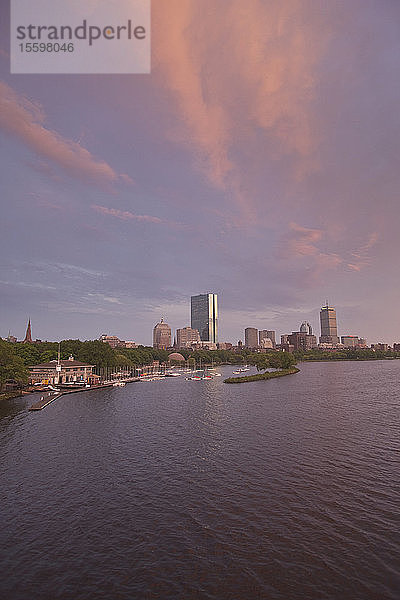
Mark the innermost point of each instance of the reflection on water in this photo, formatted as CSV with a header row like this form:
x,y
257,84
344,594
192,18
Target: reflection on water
x,y
173,489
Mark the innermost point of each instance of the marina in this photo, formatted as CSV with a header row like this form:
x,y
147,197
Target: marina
x,y
55,392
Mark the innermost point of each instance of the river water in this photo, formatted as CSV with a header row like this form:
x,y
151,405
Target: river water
x,y
283,489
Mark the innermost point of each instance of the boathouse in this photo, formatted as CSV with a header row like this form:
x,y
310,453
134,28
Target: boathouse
x,y
63,371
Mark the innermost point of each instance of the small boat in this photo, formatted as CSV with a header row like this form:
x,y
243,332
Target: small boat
x,y
72,385
119,384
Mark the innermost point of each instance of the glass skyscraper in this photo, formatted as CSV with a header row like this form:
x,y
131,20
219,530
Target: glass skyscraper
x,y
204,316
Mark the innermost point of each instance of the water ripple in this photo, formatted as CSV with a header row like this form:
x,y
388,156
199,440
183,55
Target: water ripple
x,y
284,490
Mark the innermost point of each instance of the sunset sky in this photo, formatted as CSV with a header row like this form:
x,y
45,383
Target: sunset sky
x,y
260,160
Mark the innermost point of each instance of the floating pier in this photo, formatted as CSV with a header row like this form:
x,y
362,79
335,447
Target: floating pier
x,y
50,397
45,400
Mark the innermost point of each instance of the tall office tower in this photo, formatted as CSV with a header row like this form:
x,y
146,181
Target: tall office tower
x,y
162,335
328,325
263,334
305,327
204,316
187,336
251,337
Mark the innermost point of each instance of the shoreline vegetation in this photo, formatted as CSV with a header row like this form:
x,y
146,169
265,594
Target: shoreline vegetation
x,y
14,394
16,358
263,376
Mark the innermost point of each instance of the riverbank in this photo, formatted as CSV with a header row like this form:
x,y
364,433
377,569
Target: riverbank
x,y
344,359
262,376
14,394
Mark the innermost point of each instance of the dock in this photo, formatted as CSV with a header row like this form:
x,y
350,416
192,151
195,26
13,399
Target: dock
x,y
51,396
45,400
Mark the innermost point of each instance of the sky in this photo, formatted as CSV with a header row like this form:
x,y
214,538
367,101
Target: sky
x,y
260,160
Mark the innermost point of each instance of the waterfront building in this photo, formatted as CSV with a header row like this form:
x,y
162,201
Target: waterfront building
x,y
251,337
302,341
186,337
63,371
351,341
11,338
284,339
204,346
224,346
162,335
286,347
204,316
266,334
328,325
115,342
266,343
28,335
130,344
305,327
112,340
380,346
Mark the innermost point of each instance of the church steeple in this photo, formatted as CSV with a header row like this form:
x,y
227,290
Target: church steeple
x,y
28,335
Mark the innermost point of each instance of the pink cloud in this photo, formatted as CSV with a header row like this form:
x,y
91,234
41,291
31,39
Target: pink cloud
x,y
25,120
125,215
302,244
300,241
237,72
361,257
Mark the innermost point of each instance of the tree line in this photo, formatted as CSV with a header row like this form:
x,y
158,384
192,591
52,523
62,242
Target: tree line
x,y
16,358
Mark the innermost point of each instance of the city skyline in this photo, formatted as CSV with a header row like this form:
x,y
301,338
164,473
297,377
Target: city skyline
x,y
272,180
252,337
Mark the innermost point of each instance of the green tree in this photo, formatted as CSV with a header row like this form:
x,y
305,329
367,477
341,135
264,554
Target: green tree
x,y
12,367
96,353
29,353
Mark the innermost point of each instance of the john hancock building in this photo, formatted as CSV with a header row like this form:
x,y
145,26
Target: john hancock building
x,y
204,316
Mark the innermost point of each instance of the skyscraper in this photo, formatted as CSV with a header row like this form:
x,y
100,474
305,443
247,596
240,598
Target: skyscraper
x,y
162,335
204,316
251,337
328,325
